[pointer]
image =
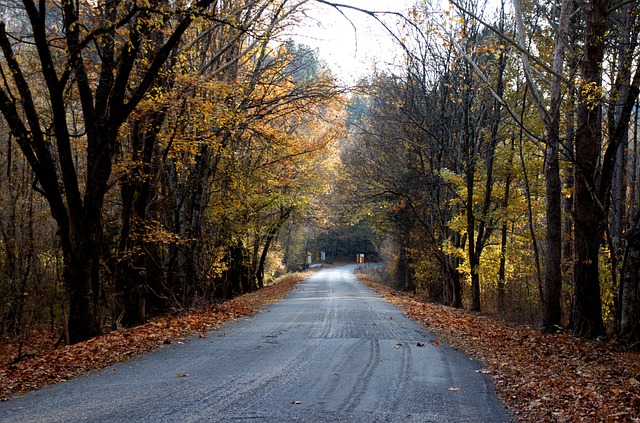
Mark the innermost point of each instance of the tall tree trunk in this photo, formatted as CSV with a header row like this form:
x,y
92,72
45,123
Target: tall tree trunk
x,y
569,151
567,204
470,152
589,208
552,312
81,274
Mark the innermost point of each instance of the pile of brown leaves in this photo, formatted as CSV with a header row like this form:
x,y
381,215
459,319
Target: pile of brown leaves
x,y
35,362
541,377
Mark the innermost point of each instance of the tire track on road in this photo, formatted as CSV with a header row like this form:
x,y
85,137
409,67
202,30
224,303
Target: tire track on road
x,y
364,378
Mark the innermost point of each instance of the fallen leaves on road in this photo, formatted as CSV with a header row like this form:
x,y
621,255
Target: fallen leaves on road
x,y
41,364
541,377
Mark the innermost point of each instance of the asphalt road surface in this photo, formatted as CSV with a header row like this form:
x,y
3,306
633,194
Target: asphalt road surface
x,y
331,351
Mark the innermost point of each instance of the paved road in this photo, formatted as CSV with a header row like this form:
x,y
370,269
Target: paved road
x,y
332,351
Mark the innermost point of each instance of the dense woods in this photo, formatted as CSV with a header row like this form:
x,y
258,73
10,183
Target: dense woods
x,y
159,155
505,157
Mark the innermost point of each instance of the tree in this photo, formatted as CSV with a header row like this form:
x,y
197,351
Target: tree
x,y
552,312
593,155
177,142
595,162
97,54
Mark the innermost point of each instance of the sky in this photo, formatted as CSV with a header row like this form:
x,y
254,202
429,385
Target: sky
x,y
351,53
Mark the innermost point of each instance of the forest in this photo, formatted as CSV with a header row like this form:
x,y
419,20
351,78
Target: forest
x,y
160,155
